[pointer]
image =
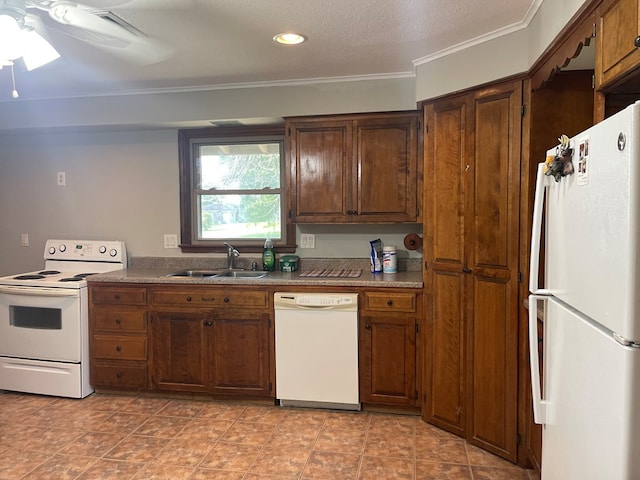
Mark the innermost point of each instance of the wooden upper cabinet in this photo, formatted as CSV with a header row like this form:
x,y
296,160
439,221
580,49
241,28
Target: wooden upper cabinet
x,y
617,34
353,168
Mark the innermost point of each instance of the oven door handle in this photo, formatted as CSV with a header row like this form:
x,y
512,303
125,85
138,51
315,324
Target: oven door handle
x,y
40,292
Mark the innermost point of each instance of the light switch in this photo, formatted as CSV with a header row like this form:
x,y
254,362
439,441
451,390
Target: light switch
x,y
24,239
307,240
62,179
170,240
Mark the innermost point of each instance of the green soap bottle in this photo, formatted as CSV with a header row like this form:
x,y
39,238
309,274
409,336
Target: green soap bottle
x,y
268,256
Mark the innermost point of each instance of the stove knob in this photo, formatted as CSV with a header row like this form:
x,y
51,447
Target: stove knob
x,y
113,252
102,249
62,248
52,250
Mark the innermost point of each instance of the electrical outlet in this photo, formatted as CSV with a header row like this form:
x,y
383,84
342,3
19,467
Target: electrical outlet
x,y
170,240
62,179
307,240
24,239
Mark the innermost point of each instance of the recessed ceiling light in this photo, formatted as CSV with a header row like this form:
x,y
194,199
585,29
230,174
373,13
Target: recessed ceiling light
x,y
289,38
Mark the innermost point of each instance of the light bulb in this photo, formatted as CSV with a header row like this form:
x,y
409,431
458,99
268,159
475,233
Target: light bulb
x,y
14,93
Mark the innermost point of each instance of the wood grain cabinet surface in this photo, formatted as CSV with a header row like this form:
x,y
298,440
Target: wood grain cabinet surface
x,y
353,168
211,340
388,355
118,337
472,175
617,40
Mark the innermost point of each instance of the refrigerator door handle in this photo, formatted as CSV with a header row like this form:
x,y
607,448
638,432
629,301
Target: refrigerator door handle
x,y
536,232
539,404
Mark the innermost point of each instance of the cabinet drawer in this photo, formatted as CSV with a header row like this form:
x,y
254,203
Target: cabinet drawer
x,y
119,375
120,320
203,298
119,296
395,302
121,348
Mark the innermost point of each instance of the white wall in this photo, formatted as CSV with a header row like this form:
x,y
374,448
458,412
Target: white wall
x,y
494,59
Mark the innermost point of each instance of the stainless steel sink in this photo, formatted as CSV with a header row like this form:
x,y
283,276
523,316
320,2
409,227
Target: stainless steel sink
x,y
241,274
194,273
218,274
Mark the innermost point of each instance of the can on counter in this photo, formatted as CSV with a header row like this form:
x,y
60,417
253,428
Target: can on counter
x,y
389,259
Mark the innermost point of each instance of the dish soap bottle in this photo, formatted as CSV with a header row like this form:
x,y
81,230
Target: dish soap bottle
x,y
268,256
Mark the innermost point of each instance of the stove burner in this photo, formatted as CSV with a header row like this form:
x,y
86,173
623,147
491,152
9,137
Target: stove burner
x,y
49,272
28,277
83,275
70,279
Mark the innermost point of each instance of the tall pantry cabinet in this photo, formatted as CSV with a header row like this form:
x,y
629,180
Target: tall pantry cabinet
x,y
471,222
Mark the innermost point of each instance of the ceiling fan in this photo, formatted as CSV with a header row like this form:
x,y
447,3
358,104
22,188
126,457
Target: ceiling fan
x,y
29,19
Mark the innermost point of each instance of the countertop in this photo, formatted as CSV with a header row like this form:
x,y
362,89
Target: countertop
x,y
403,279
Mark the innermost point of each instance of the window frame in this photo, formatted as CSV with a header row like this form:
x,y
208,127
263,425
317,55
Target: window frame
x,y
186,139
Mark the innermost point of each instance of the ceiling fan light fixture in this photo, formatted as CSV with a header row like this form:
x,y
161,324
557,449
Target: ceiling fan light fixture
x,y
289,38
37,51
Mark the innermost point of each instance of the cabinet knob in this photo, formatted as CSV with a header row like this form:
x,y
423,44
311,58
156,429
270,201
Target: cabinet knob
x,y
207,323
118,348
188,299
389,302
367,326
226,300
119,375
118,321
466,270
117,296
636,42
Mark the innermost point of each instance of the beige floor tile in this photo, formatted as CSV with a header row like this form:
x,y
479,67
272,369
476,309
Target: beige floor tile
x,y
181,408
296,436
51,440
441,449
390,445
185,452
93,444
499,473
221,411
392,424
166,427
341,441
204,430
122,422
111,470
249,433
478,456
149,406
208,474
17,463
163,472
137,449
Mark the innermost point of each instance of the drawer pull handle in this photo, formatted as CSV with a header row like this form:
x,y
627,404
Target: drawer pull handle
x,y
367,327
207,299
119,375
188,299
207,323
118,348
226,300
389,302
117,296
636,42
467,270
118,321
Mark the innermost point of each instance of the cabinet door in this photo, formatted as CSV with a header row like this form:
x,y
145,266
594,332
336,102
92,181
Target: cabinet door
x,y
388,359
179,350
385,170
320,170
492,226
617,54
446,168
239,353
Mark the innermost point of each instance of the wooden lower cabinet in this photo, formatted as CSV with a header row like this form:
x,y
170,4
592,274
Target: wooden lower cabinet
x,y
388,325
118,340
211,340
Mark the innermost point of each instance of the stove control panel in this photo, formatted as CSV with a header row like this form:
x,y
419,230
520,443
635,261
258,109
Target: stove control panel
x,y
86,250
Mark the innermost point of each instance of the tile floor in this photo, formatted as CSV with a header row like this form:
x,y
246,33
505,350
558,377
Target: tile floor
x,y
104,437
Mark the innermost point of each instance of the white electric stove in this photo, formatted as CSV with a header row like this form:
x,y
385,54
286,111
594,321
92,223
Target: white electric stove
x,y
44,341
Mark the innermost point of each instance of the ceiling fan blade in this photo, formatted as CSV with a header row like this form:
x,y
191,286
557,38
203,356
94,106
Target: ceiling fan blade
x,y
110,35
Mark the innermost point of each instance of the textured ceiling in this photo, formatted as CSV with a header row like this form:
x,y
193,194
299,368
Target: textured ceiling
x,y
228,42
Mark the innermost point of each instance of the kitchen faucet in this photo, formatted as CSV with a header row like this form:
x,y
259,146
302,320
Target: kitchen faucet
x,y
231,254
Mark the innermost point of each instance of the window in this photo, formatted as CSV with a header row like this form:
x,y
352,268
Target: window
x,y
232,189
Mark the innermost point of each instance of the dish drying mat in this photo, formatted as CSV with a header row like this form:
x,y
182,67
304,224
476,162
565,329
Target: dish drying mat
x,y
332,273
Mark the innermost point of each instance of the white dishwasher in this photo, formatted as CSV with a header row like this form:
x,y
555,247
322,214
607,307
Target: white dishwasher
x,y
317,350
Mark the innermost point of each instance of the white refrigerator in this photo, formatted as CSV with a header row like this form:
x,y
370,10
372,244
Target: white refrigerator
x,y
589,398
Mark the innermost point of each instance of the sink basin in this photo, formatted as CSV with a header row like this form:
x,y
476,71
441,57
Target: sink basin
x,y
218,274
241,274
194,273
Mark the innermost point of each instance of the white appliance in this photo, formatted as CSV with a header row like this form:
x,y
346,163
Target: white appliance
x,y
44,340
589,401
317,350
